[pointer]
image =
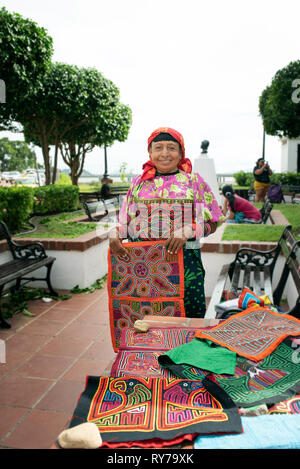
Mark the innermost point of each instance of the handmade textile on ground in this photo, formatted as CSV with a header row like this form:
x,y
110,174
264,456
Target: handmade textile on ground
x,y
290,406
139,351
270,381
143,284
139,411
156,338
253,333
130,363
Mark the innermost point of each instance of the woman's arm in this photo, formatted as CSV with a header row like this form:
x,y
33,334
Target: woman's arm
x,y
225,207
261,170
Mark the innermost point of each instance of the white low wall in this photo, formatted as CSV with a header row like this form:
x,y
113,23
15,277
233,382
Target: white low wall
x,y
72,268
83,268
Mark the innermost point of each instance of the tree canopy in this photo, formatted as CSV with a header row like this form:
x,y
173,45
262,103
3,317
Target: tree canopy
x,y
74,109
279,103
16,155
71,108
25,53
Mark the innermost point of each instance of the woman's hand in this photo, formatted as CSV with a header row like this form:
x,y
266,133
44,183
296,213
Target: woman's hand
x,y
176,241
115,245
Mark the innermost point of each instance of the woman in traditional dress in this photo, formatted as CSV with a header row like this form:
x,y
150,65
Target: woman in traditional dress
x,y
165,194
237,209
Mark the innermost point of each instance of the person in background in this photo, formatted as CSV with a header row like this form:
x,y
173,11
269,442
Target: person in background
x,y
167,179
238,210
262,173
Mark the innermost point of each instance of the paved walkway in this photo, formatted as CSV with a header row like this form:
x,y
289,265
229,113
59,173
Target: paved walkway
x,y
48,357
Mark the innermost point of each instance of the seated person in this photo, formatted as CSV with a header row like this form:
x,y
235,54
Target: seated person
x,y
240,210
105,192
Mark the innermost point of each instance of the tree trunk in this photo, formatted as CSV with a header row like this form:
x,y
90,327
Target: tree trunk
x,y
73,163
55,161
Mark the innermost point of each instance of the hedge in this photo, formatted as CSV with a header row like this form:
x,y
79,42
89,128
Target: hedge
x,y
285,179
55,199
16,204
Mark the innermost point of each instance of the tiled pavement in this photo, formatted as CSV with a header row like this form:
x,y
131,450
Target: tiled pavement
x,y
48,357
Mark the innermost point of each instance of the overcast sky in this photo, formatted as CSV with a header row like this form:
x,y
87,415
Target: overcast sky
x,y
198,66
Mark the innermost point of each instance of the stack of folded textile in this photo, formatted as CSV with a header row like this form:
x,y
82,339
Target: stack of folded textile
x,y
264,379
220,387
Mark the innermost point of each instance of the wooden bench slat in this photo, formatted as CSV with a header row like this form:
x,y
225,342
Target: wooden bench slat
x,y
247,276
254,269
236,277
26,258
217,293
256,281
268,284
18,268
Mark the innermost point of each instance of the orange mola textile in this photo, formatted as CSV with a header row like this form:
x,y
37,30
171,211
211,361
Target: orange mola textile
x,y
144,283
253,333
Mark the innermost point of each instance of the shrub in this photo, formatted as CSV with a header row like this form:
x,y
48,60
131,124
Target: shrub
x,y
64,180
285,179
56,198
244,179
16,204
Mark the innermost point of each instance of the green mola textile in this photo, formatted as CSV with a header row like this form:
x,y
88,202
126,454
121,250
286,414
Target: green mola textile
x,y
202,354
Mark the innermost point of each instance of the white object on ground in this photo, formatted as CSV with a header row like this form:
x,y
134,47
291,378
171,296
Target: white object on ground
x,y
83,436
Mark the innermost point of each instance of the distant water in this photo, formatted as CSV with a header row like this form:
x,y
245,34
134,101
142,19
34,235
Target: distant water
x,y
88,179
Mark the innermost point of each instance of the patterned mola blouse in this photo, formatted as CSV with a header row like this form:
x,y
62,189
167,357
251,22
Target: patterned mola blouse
x,y
162,204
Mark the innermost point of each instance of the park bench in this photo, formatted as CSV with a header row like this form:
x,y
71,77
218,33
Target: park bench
x,y
115,191
119,190
26,259
292,191
89,196
254,269
266,211
98,210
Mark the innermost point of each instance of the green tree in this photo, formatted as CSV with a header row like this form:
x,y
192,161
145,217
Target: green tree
x,y
279,103
25,54
16,155
123,171
64,180
74,109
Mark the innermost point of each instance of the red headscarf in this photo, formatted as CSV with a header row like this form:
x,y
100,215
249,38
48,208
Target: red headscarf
x,y
184,164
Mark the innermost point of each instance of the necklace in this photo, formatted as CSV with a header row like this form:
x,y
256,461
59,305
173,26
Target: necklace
x,y
166,174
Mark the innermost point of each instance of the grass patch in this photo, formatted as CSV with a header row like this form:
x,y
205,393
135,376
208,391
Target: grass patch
x,y
241,232
59,227
266,233
291,213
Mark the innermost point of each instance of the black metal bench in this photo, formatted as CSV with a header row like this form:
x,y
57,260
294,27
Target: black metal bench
x,y
266,211
119,190
254,269
98,210
115,191
95,210
89,196
26,259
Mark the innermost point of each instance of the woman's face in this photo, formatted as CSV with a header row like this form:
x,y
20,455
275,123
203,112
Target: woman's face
x,y
261,163
165,155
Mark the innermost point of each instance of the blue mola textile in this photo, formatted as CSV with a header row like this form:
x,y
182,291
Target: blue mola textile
x,y
262,432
